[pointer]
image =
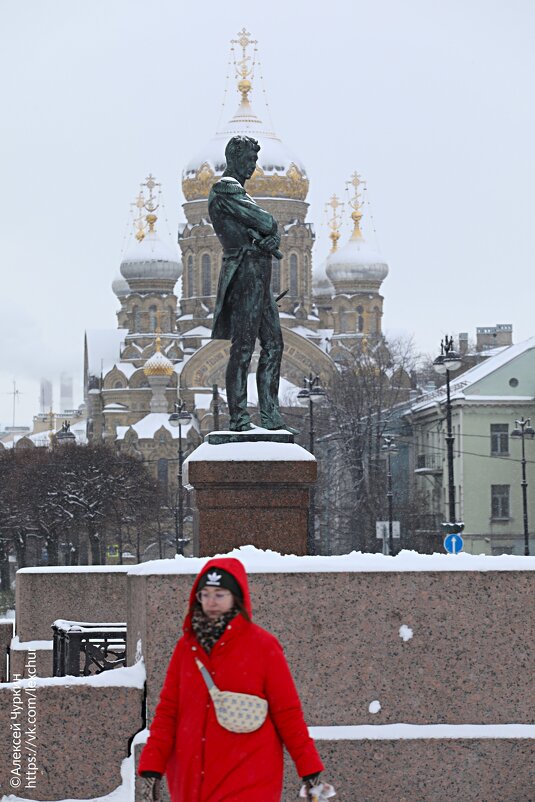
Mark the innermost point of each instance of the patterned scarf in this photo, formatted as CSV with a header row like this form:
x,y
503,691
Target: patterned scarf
x,y
208,630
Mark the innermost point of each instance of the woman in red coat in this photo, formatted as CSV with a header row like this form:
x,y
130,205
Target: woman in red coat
x,y
204,761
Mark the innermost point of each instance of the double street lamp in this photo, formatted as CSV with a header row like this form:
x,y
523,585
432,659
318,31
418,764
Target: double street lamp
x,y
179,418
447,362
312,391
524,429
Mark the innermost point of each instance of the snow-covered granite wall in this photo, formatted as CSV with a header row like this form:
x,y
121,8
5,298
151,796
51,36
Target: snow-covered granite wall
x,y
89,593
65,737
429,643
425,641
415,672
40,652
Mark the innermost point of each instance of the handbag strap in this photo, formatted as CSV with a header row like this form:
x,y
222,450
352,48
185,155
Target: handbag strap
x,y
206,675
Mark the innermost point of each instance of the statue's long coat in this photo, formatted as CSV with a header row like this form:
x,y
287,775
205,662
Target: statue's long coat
x,y
228,197
203,761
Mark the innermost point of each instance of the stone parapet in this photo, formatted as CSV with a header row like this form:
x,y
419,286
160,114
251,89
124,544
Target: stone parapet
x,y
33,658
443,645
415,770
88,593
81,736
423,644
425,770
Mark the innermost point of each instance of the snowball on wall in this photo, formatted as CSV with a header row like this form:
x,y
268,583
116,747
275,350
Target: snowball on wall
x,y
405,632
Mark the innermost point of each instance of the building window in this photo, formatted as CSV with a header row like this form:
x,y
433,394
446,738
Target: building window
x,y
360,319
137,319
293,275
499,438
206,275
499,502
152,318
305,276
275,276
189,288
497,550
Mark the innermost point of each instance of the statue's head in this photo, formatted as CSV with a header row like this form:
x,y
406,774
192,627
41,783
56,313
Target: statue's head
x,y
241,154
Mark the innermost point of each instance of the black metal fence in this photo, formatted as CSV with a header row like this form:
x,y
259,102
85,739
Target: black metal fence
x,y
82,649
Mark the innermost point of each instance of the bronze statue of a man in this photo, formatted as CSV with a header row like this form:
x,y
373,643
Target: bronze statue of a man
x,y
245,307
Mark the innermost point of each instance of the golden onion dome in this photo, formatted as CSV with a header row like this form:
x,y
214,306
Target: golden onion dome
x,y
278,173
158,364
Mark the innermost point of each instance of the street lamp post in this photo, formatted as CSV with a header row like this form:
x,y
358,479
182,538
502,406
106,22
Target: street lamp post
x,y
312,391
523,430
180,416
447,362
390,449
215,406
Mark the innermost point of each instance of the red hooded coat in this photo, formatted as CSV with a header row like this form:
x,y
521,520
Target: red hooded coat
x,y
203,761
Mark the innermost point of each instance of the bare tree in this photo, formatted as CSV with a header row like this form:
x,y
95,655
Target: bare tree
x,y
364,402
70,494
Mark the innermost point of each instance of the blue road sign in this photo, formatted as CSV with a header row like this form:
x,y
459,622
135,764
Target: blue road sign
x,y
453,544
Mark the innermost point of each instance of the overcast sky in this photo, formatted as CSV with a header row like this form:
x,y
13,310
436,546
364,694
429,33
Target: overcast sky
x,y
431,101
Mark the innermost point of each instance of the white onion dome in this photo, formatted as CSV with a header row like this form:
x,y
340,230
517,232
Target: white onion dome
x,y
278,174
356,266
158,365
120,287
150,264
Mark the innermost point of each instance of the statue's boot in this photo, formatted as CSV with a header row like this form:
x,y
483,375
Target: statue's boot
x,y
281,427
240,427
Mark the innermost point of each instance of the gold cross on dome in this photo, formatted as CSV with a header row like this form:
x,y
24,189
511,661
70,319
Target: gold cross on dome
x,y
335,204
356,203
150,183
245,66
334,221
356,182
139,220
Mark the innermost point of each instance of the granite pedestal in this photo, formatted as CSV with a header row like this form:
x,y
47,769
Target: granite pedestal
x,y
250,488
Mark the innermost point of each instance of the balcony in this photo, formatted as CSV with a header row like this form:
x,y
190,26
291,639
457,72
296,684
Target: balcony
x,y
428,465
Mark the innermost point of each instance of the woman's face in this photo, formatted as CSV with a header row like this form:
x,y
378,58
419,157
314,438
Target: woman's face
x,y
215,601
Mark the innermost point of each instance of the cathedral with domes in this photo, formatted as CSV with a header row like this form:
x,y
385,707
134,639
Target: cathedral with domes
x,y
162,347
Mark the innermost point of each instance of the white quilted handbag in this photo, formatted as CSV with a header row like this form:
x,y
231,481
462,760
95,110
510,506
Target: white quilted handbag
x,y
236,712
